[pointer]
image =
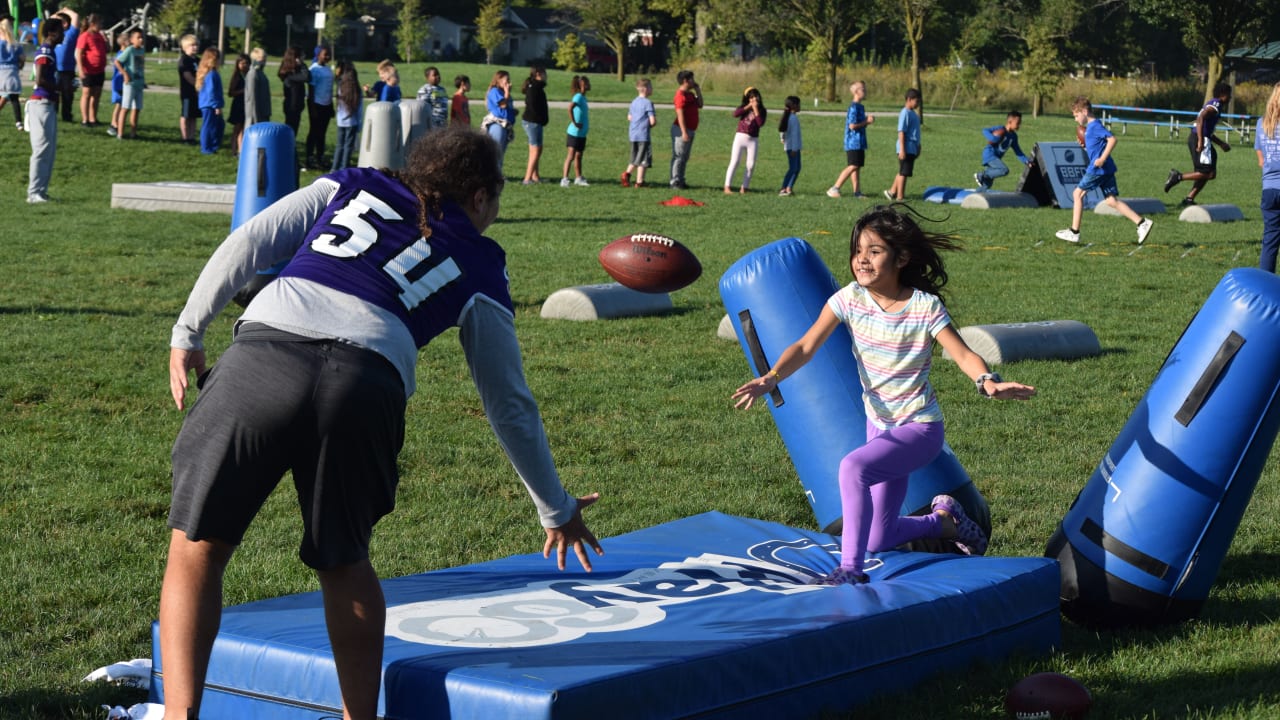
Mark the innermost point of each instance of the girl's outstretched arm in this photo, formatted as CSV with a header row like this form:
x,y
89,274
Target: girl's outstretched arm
x,y
791,360
975,367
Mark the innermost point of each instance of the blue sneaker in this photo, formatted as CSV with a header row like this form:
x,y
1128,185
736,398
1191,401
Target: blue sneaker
x,y
969,537
841,576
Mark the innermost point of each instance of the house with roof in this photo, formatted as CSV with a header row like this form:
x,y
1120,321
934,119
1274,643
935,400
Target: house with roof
x,y
532,34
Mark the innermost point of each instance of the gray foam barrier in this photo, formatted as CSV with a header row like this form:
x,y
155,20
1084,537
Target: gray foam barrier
x,y
993,199
603,302
726,331
1041,340
174,196
1211,213
381,141
1142,206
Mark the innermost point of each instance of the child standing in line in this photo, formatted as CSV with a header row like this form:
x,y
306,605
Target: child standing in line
x,y
908,145
789,129
1204,159
117,89
751,114
535,119
11,62
189,95
856,121
641,117
459,105
895,313
209,96
347,104
1000,139
387,89
42,112
435,97
132,63
1100,173
235,90
1267,144
576,135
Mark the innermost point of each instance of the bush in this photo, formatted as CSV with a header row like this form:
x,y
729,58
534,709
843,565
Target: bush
x,y
570,54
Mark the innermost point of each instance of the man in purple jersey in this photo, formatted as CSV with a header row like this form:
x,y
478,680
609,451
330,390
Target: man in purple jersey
x,y
316,382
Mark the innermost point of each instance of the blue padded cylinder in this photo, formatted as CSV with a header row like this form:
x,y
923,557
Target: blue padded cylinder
x,y
1145,538
772,296
268,171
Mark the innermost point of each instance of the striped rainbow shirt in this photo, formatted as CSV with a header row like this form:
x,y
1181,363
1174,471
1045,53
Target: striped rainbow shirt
x,y
894,352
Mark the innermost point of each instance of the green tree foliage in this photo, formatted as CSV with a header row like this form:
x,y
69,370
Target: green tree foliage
x,y
177,17
489,32
1213,28
829,27
610,20
914,17
570,54
413,31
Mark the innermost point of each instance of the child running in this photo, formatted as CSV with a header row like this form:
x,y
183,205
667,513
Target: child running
x,y
856,121
641,118
894,311
1000,140
1100,173
209,98
1204,158
789,129
347,105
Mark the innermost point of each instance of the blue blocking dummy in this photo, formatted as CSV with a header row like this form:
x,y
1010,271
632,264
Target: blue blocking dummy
x,y
1144,539
773,295
268,171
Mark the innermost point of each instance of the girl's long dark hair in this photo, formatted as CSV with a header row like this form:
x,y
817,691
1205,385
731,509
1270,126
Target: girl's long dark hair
x,y
450,164
896,225
792,105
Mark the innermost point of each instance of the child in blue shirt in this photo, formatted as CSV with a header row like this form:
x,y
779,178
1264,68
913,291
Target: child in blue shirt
x,y
348,105
210,101
641,118
1100,174
1000,139
1267,143
856,121
792,144
908,145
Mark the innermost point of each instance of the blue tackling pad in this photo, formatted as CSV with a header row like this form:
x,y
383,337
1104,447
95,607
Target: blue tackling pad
x,y
708,616
951,195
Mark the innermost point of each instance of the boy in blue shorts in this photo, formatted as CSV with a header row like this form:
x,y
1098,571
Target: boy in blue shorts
x,y
117,87
856,121
908,145
1100,173
1000,139
641,118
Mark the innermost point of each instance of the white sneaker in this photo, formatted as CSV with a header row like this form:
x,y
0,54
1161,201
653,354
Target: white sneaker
x,y
1069,235
564,182
37,199
890,196
581,181
1144,229
833,192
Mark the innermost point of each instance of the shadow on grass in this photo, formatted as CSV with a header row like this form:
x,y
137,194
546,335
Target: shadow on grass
x,y
46,310
85,702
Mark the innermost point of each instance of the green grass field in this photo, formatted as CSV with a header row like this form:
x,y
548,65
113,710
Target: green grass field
x,y
636,409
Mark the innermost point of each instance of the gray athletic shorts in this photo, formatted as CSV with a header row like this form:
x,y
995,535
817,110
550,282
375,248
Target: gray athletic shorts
x,y
331,412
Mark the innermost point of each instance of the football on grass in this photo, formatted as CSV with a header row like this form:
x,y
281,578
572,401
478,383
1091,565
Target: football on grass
x,y
1047,696
650,263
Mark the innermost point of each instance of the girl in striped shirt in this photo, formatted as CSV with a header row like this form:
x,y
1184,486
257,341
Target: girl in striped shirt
x,y
894,312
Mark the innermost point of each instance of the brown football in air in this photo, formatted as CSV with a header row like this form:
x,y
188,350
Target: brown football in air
x,y
650,263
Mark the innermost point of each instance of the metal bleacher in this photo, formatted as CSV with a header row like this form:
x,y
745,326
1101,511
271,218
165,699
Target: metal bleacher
x,y
1124,116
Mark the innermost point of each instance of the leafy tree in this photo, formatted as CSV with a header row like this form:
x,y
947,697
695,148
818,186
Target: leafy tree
x,y
413,31
914,15
177,17
335,12
1213,28
610,20
831,27
570,54
489,32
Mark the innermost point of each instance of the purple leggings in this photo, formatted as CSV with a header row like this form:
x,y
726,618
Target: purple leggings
x,y
873,484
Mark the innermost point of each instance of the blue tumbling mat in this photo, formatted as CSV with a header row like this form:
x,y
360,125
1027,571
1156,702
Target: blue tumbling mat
x,y
705,617
949,195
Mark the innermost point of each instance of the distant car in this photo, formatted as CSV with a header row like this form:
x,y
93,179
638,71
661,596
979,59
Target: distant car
x,y
601,59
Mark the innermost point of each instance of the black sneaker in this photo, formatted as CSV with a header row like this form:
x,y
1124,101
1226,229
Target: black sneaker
x,y
1188,202
1174,178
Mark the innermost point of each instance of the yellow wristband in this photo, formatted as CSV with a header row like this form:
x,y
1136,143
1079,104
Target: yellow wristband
x,y
776,377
